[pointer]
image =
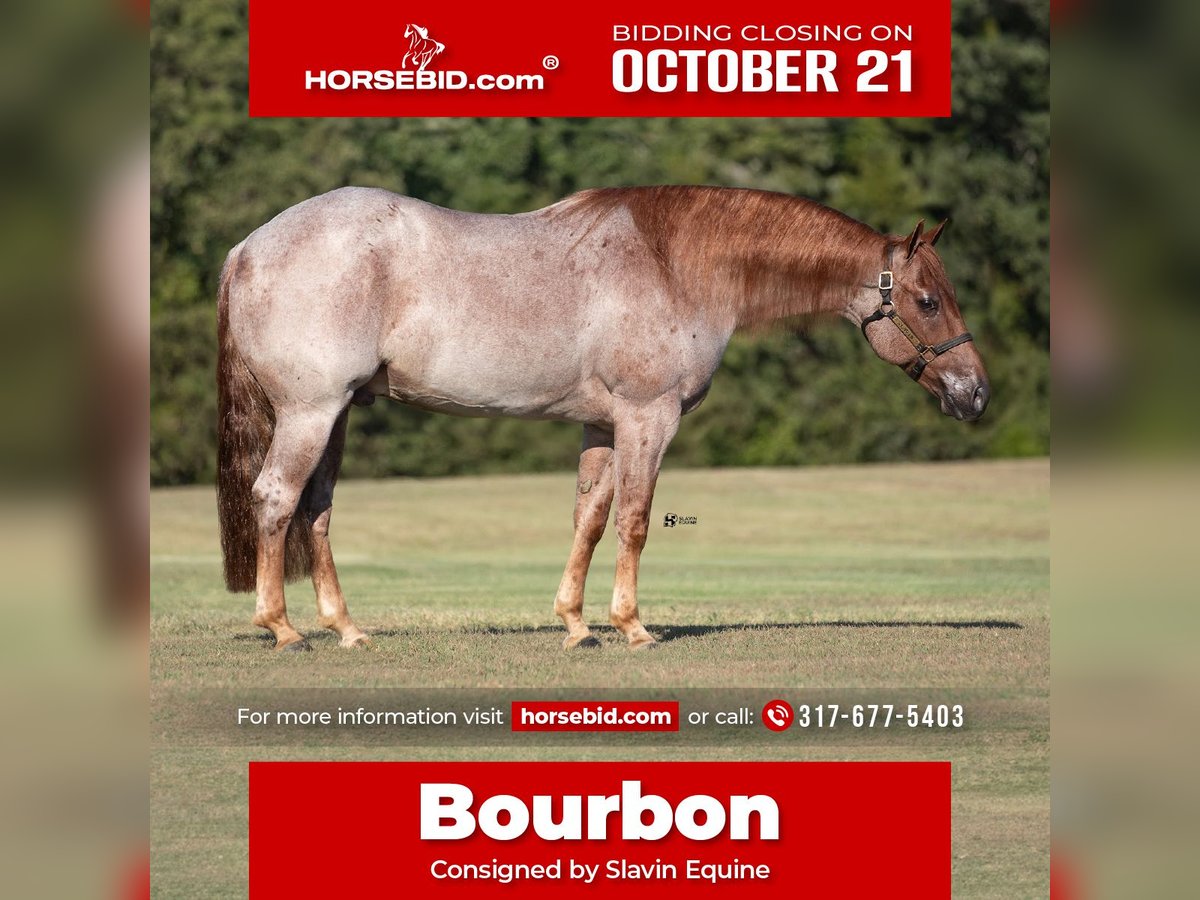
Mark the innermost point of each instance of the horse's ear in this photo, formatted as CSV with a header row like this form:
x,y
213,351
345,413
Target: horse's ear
x,y
915,238
932,237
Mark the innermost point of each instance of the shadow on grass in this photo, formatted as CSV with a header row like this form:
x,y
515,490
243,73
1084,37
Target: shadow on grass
x,y
666,633
674,632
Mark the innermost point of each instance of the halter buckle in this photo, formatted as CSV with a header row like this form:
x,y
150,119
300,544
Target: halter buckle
x,y
885,280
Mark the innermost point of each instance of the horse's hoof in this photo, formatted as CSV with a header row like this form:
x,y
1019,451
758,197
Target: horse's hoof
x,y
359,642
650,644
299,646
587,642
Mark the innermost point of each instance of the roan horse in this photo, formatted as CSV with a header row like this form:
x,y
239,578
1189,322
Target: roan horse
x,y
611,308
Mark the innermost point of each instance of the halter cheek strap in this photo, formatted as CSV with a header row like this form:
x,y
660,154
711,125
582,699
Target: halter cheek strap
x,y
926,353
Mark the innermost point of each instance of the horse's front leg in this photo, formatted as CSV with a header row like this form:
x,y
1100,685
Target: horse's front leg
x,y
642,436
593,499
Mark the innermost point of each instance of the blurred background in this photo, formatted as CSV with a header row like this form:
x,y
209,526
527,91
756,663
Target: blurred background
x,y
1126,675
793,396
74,358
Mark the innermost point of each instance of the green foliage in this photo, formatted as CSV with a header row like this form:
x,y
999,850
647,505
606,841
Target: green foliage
x,y
784,397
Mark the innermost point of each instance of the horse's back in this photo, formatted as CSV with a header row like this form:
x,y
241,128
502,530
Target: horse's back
x,y
348,214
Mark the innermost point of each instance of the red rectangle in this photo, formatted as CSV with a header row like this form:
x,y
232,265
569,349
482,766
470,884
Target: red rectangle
x,y
354,829
599,715
854,58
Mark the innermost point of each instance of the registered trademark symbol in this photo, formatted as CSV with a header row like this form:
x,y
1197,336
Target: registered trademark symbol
x,y
550,62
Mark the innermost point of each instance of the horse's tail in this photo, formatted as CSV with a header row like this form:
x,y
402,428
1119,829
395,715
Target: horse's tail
x,y
245,425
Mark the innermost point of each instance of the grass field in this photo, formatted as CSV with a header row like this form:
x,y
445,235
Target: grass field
x,y
914,576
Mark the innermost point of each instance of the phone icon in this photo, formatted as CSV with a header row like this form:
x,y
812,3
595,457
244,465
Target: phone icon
x,y
777,715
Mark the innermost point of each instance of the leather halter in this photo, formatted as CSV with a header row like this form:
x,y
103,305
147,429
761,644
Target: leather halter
x,y
887,310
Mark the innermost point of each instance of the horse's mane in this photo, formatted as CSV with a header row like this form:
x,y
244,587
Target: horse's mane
x,y
764,255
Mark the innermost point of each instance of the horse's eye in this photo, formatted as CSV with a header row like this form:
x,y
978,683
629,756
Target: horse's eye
x,y
927,304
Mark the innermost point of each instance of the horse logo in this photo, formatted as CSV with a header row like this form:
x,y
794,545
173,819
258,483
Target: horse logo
x,y
421,47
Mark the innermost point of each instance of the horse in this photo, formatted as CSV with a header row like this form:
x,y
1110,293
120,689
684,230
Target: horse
x,y
611,308
421,48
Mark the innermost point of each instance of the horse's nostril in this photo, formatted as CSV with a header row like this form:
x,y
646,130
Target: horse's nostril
x,y
980,400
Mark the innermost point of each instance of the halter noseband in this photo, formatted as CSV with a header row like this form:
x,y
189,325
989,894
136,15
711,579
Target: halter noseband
x,y
887,310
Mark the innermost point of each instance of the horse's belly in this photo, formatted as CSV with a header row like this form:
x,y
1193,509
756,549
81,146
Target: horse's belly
x,y
513,387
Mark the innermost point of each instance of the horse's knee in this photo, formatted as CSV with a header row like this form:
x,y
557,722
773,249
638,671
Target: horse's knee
x,y
590,523
633,531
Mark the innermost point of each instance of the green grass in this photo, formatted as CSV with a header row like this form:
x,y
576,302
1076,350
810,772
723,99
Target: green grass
x,y
788,581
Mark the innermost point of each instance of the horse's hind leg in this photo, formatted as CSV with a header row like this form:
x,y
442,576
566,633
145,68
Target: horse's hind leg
x,y
331,603
642,436
301,434
593,499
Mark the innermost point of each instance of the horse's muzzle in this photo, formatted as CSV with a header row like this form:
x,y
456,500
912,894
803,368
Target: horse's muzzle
x,y
966,402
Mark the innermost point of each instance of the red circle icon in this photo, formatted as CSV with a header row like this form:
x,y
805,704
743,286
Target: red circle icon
x,y
777,715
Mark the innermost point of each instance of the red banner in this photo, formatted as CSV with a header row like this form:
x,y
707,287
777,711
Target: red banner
x,y
697,58
599,829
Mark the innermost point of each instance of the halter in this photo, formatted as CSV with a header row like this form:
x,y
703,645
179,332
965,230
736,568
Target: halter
x,y
887,310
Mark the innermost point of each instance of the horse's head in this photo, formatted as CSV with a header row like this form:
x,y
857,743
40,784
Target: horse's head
x,y
410,30
917,325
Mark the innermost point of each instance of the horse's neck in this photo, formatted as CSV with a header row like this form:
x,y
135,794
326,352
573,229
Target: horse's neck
x,y
745,257
785,274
